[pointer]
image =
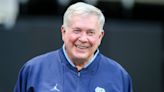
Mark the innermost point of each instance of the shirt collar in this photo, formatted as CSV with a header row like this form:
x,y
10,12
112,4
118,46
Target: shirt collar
x,y
90,61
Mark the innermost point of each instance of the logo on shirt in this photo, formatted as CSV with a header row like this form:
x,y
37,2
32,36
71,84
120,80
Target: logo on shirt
x,y
55,88
99,89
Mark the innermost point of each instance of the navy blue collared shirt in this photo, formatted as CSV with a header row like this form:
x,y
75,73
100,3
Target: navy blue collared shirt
x,y
51,72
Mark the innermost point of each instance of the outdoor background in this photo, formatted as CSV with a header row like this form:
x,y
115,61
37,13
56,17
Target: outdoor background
x,y
133,37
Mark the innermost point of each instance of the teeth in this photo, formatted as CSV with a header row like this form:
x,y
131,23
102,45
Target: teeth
x,y
81,47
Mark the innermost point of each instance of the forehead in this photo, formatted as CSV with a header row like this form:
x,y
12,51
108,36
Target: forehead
x,y
84,21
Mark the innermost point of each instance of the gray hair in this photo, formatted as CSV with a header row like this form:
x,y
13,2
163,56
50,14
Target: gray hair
x,y
81,8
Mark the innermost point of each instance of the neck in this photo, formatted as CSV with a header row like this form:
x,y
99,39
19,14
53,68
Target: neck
x,y
79,67
80,64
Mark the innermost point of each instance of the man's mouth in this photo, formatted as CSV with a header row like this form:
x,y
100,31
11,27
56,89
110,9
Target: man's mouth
x,y
82,47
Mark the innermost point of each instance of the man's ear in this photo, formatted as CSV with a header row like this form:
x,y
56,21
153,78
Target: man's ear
x,y
62,29
62,32
101,35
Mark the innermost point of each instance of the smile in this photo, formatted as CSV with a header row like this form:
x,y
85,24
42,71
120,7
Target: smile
x,y
81,47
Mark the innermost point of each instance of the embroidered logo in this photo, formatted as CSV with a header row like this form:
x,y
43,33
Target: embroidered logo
x,y
55,88
99,89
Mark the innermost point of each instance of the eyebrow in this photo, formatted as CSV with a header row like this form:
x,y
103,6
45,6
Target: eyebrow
x,y
76,28
80,29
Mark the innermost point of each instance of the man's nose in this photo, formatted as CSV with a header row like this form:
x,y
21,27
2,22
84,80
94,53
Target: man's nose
x,y
83,37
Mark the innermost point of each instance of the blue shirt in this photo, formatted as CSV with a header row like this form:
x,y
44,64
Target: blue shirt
x,y
52,72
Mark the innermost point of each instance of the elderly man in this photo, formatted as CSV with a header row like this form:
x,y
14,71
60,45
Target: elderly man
x,y
78,66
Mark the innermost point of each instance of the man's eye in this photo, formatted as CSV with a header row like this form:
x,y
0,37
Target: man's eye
x,y
76,31
91,33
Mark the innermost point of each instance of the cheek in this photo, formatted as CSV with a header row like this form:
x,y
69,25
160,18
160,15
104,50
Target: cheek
x,y
93,41
71,39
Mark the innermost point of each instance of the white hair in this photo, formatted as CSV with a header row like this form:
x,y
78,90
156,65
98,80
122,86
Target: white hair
x,y
81,8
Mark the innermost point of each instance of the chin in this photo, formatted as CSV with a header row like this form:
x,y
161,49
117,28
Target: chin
x,y
83,57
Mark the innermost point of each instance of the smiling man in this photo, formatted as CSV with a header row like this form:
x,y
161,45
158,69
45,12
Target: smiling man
x,y
82,37
78,66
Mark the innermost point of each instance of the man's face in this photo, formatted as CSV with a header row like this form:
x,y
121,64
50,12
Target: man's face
x,y
82,37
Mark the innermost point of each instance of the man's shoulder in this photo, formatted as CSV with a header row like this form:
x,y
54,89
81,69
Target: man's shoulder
x,y
108,61
39,65
111,64
44,58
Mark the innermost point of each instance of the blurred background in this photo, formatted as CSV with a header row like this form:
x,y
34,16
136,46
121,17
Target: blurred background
x,y
133,37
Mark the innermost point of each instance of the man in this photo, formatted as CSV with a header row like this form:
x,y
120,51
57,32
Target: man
x,y
78,66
